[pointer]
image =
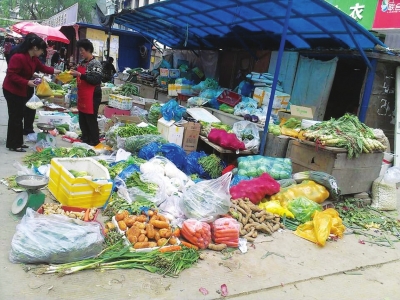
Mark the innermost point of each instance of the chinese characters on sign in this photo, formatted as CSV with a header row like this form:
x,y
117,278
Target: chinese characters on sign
x,y
387,15
356,11
362,11
67,17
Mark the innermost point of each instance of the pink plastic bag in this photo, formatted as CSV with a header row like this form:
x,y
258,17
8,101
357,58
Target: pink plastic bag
x,y
255,189
226,140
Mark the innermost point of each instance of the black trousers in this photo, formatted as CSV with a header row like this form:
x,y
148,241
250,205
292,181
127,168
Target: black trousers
x,y
29,118
16,107
89,125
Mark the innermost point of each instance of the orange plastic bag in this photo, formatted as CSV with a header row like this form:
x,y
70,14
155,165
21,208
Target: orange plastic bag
x,y
65,77
323,224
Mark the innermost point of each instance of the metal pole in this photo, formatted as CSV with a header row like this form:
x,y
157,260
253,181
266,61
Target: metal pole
x,y
276,76
368,90
108,42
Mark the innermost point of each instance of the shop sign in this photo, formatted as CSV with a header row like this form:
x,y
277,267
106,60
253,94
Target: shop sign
x,y
363,11
67,17
387,15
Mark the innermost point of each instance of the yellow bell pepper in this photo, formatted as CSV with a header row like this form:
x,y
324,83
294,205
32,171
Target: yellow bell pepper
x,y
308,188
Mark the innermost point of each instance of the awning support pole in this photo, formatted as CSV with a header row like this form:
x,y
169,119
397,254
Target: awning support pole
x,y
367,90
276,76
366,60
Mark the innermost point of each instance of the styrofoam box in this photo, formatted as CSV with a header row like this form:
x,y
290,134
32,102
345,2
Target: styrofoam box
x,y
120,102
83,192
53,117
262,94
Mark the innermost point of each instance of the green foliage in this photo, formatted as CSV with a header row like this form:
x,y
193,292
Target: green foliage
x,y
44,9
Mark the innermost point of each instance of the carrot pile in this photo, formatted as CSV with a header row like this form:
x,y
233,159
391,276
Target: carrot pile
x,y
196,232
226,231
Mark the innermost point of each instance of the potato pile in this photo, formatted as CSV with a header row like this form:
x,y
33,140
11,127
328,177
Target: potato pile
x,y
253,219
52,208
144,231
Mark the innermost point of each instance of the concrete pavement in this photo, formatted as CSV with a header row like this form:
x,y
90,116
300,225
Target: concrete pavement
x,y
298,269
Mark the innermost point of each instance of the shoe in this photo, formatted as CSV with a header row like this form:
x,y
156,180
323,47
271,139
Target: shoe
x,y
25,146
17,149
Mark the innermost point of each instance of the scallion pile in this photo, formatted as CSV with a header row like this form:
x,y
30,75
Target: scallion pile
x,y
118,257
346,132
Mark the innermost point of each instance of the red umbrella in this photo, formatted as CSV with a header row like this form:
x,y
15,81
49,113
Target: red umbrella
x,y
46,32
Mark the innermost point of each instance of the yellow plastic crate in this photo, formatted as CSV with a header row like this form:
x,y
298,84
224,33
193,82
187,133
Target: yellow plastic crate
x,y
79,192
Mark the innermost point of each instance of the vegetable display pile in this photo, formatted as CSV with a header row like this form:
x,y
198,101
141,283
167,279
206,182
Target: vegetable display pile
x,y
113,257
362,220
274,129
118,203
154,113
84,215
253,219
135,181
133,130
212,164
44,157
144,231
116,168
206,127
127,89
55,86
346,132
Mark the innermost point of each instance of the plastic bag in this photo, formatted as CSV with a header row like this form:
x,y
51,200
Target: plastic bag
x,y
238,178
23,170
138,112
54,239
192,163
248,106
321,178
65,77
226,140
323,224
384,194
303,208
135,143
149,151
196,232
248,133
392,175
255,165
226,231
157,179
111,135
197,101
308,188
172,206
34,102
154,114
175,154
44,89
172,111
255,189
163,166
208,199
275,207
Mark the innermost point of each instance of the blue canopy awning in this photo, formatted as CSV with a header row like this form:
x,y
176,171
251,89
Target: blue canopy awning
x,y
222,24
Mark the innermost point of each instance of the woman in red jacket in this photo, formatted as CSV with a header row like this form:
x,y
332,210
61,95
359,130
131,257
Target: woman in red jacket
x,y
17,83
89,75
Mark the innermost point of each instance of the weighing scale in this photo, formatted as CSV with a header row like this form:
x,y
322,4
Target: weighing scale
x,y
33,197
45,135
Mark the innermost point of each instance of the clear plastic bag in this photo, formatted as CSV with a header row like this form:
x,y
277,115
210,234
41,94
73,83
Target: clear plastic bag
x,y
207,199
34,103
135,143
138,112
392,175
248,133
175,154
196,232
197,101
162,165
54,239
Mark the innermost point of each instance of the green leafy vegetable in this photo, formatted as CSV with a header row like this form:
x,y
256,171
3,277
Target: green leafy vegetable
x,y
135,181
212,164
132,130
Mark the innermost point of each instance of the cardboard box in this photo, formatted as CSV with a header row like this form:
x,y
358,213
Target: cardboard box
x,y
262,95
191,136
53,117
170,131
111,111
302,112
